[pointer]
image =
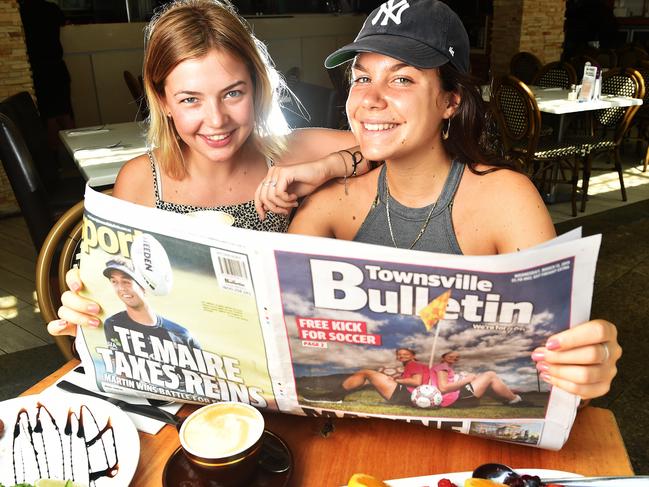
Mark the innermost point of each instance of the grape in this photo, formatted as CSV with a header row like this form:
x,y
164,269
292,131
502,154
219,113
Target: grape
x,y
531,480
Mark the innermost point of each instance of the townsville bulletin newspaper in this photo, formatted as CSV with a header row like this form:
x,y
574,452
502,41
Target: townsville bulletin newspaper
x,y
198,311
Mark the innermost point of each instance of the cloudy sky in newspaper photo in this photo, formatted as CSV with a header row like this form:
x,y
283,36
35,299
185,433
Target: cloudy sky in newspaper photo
x,y
505,350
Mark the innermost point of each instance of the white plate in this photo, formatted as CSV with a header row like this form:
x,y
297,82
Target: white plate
x,y
54,449
458,478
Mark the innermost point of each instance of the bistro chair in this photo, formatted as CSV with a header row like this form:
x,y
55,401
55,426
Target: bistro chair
x,y
606,58
630,55
136,88
641,119
558,74
56,256
524,65
26,184
61,192
59,254
546,161
610,125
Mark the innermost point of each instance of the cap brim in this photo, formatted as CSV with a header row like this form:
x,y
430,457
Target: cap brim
x,y
404,49
124,270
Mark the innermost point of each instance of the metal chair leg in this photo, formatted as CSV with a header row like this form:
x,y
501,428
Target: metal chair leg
x,y
584,183
618,166
573,180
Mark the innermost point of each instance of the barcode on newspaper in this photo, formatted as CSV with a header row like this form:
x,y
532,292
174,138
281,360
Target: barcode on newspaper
x,y
232,271
232,267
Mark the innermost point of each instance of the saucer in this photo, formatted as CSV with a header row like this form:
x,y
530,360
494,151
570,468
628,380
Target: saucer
x,y
179,472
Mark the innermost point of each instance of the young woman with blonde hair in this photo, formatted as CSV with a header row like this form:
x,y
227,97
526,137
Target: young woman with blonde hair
x,y
215,131
215,120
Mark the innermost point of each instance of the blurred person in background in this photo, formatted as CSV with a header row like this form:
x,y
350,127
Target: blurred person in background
x,y
42,22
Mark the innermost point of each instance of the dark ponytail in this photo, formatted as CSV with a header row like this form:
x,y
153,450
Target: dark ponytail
x,y
472,138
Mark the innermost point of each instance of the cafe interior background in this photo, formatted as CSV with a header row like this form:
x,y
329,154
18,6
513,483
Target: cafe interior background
x,y
104,38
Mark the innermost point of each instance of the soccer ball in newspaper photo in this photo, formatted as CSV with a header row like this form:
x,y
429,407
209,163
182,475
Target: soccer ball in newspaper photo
x,y
150,260
391,371
459,376
426,396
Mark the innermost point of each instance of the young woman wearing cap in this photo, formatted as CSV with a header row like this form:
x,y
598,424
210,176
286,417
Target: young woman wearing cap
x,y
413,105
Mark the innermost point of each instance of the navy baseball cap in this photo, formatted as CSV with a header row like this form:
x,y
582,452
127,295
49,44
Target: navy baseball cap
x,y
421,33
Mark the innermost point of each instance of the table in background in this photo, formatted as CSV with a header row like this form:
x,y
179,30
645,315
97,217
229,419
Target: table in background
x,y
394,449
102,150
555,101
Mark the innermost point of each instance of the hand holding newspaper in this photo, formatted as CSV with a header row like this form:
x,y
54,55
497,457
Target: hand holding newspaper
x,y
316,326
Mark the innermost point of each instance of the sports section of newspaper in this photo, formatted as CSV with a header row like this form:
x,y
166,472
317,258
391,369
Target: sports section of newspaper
x,y
200,312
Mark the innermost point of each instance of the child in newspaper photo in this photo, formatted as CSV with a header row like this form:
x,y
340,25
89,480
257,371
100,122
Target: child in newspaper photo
x,y
465,388
413,105
395,389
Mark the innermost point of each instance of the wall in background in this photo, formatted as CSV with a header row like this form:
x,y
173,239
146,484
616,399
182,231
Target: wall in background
x,y
535,26
97,55
16,77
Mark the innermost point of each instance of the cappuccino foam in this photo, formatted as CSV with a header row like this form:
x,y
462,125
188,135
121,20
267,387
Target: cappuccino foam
x,y
219,431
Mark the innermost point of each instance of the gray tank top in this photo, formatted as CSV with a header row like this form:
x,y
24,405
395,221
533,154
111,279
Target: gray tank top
x,y
439,235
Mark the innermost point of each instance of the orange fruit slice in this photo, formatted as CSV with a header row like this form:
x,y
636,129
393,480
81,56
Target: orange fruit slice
x,y
481,483
365,480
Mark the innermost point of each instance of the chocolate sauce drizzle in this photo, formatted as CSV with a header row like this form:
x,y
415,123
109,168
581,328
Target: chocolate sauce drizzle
x,y
30,440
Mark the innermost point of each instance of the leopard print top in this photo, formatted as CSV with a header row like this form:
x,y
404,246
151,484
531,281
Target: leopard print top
x,y
244,214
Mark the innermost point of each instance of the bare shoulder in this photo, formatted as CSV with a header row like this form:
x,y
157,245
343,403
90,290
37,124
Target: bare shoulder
x,y
335,209
503,208
314,143
502,187
134,182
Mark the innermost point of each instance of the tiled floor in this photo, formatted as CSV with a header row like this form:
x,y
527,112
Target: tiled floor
x,y
21,326
620,296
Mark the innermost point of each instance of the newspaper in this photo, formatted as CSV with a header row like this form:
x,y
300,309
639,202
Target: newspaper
x,y
201,312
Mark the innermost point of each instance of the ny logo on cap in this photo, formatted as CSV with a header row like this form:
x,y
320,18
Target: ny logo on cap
x,y
388,11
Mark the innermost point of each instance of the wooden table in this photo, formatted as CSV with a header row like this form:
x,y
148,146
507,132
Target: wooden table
x,y
391,449
100,151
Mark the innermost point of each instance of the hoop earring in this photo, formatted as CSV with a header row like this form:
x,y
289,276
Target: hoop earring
x,y
448,129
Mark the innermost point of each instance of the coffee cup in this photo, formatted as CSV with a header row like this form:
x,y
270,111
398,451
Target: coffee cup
x,y
222,441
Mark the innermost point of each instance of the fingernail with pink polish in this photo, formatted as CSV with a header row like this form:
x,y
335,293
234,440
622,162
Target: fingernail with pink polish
x,y
75,286
553,344
543,366
92,308
93,322
60,324
536,356
546,378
